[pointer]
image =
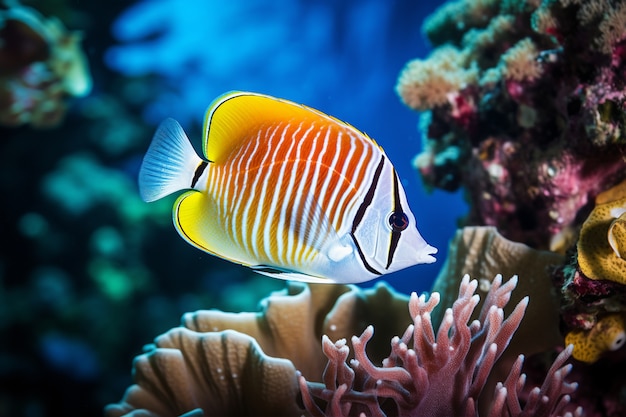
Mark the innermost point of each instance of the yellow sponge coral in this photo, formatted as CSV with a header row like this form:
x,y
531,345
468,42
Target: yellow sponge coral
x,y
607,335
602,242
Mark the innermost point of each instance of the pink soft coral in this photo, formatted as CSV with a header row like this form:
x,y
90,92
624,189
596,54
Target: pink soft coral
x,y
443,374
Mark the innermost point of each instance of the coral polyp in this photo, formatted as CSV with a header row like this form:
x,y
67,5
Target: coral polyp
x,y
527,114
547,111
445,371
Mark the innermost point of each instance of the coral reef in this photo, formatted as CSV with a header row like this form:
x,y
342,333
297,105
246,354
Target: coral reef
x,y
482,252
245,363
524,108
592,278
41,66
580,310
88,273
290,326
445,371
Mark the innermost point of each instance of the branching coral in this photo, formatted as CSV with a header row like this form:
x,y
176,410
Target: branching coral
x,y
482,253
537,131
445,372
41,65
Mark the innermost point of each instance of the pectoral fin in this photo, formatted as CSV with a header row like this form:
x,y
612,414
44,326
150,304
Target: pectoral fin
x,y
316,230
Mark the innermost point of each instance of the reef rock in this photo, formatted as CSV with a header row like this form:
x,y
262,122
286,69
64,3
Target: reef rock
x,y
524,106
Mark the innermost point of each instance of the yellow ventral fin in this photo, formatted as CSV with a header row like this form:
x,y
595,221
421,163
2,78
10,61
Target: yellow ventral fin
x,y
235,117
195,220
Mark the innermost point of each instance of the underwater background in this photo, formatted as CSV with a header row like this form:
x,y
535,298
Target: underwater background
x,y
89,273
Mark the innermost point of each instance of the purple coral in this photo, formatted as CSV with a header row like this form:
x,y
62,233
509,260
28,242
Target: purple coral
x,y
525,107
443,374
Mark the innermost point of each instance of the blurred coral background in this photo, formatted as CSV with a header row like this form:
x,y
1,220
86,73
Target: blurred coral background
x,y
89,273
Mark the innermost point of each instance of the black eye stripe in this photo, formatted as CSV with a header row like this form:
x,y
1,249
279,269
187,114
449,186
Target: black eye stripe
x,y
397,205
399,213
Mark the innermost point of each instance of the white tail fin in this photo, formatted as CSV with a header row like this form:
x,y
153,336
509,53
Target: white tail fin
x,y
170,163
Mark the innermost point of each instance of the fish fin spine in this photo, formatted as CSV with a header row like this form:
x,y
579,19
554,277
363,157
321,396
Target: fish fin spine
x,y
289,275
170,164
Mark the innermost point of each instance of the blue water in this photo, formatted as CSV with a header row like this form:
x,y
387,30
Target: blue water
x,y
88,272
340,57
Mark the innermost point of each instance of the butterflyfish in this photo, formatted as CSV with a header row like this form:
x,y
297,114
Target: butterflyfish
x,y
286,190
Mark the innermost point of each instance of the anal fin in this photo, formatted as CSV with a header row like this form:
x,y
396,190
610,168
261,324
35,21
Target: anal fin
x,y
196,220
290,275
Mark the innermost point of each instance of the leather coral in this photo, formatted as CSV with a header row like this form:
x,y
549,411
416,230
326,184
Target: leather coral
x,y
221,364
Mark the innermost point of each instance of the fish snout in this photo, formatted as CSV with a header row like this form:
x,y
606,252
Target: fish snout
x,y
425,254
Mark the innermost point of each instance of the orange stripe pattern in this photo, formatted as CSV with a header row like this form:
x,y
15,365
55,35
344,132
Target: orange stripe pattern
x,y
282,193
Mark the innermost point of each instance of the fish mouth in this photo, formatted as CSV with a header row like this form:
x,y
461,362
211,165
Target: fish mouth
x,y
425,255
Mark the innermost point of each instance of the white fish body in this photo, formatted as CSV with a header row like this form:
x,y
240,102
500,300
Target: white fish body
x,y
286,190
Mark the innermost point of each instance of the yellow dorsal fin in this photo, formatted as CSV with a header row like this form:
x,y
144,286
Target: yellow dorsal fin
x,y
235,117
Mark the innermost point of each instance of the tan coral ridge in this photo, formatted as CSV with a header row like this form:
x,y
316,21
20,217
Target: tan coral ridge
x,y
483,253
220,363
229,363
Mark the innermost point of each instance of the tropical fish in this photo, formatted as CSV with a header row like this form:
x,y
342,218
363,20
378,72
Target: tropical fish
x,y
287,190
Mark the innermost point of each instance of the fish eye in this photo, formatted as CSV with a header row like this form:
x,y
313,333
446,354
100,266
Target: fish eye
x,y
398,221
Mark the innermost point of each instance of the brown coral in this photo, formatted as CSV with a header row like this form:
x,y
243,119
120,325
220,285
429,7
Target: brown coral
x,y
245,363
224,362
220,373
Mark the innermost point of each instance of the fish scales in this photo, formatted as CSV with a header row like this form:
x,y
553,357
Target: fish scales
x,y
259,183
